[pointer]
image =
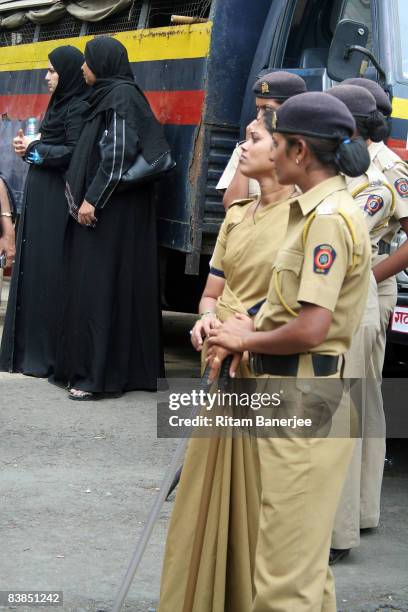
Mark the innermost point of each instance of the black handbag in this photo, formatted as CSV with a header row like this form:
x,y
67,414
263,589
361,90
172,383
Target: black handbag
x,y
142,172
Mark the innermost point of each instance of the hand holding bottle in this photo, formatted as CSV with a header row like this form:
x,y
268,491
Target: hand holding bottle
x,y
20,143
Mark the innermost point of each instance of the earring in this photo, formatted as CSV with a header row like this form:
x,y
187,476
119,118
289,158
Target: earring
x,y
297,162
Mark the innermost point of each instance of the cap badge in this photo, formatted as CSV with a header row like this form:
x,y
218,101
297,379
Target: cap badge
x,y
265,87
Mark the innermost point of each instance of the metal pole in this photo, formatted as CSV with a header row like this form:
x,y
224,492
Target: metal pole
x,y
161,496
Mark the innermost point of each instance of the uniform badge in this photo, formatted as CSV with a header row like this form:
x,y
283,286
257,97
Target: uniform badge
x,y
324,256
401,185
373,205
265,87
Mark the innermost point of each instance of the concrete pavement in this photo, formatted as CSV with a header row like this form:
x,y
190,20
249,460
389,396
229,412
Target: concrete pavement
x,y
77,481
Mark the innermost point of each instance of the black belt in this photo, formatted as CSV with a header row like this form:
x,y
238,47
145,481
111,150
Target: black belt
x,y
384,247
288,365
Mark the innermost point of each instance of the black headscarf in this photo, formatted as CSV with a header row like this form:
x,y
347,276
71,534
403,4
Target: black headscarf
x,y
67,62
114,91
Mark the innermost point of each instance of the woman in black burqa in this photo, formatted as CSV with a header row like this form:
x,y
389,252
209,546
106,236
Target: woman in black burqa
x,y
110,335
35,304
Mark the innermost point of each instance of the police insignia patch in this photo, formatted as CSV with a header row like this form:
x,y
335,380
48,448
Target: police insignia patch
x,y
401,185
324,256
373,205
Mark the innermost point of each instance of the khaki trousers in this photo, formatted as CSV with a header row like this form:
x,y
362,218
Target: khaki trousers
x,y
301,483
359,505
374,443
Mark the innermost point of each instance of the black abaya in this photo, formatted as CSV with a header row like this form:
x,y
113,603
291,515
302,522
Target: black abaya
x,y
34,304
110,335
110,338
35,301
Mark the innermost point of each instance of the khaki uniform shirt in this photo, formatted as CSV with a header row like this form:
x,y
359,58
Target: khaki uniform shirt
x,y
321,271
246,248
375,202
254,189
396,173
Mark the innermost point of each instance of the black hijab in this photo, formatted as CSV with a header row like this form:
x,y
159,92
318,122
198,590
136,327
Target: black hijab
x,y
67,62
114,91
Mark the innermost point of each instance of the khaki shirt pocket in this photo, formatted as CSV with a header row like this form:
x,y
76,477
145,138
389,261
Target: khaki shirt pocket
x,y
286,278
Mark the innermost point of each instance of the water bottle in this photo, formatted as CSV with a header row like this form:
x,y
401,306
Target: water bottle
x,y
31,128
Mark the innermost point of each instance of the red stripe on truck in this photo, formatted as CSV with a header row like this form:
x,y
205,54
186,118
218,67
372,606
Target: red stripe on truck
x,y
170,107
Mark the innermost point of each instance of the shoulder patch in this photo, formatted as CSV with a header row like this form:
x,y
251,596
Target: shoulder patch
x,y
373,205
323,258
326,208
401,186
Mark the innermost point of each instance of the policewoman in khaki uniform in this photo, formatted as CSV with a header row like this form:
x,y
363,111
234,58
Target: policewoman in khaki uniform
x,y
210,549
396,172
375,197
315,304
270,91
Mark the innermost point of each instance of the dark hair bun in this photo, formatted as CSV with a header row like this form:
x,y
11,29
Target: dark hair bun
x,y
374,127
352,157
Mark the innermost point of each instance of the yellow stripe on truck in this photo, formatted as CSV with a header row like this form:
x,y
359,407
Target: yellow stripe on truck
x,y
399,108
176,42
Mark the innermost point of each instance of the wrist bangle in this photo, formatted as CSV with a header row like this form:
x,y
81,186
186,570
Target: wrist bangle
x,y
206,313
6,214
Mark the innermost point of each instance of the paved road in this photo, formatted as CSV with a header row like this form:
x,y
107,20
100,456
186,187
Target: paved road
x,y
77,481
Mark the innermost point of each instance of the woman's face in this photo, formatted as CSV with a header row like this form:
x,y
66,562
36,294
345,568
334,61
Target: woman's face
x,y
89,76
52,78
255,160
284,161
263,104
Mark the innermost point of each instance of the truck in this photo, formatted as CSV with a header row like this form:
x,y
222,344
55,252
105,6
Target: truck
x,y
197,62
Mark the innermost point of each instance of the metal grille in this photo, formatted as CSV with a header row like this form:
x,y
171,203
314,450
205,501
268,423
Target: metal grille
x,y
22,36
160,11
68,27
121,22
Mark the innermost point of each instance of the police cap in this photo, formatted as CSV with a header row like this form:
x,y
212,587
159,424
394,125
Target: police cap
x,y
359,101
314,114
279,85
381,98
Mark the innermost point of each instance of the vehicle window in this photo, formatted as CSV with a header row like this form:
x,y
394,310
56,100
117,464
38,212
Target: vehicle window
x,y
311,32
160,11
359,10
403,28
